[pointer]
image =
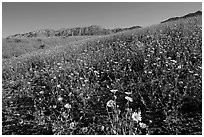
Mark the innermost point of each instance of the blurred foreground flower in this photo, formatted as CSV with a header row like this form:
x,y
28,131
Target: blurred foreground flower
x,y
110,103
136,116
129,99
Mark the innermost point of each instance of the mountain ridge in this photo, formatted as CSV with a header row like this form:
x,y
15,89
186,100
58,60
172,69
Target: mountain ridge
x,y
76,31
197,13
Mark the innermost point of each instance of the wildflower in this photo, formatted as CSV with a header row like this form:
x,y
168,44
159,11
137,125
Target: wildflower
x,y
129,109
137,116
43,87
128,93
84,129
70,94
96,72
58,86
65,115
81,78
60,99
150,72
110,103
142,125
129,99
86,80
68,106
113,91
72,125
174,61
102,128
114,131
179,67
41,92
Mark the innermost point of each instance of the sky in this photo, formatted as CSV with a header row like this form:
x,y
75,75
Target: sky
x,y
22,17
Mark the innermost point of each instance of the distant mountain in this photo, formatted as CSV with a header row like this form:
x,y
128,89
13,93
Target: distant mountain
x,y
198,13
77,31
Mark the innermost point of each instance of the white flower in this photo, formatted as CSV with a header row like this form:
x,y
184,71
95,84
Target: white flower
x,y
128,93
86,80
84,129
142,125
174,61
179,67
60,99
102,128
96,72
58,86
81,78
41,92
111,103
72,125
113,91
136,116
68,106
129,99
65,115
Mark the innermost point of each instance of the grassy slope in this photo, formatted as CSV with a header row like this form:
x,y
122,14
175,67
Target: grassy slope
x,y
16,47
160,65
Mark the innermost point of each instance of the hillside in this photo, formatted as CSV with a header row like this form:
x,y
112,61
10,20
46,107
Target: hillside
x,y
16,47
77,31
146,81
198,13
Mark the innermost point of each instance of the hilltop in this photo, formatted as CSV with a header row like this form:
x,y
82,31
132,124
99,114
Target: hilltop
x,y
198,13
77,31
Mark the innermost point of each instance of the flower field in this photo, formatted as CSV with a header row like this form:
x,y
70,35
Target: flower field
x,y
141,82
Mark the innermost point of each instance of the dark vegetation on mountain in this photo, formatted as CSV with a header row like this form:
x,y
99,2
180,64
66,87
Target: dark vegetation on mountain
x,y
198,13
142,81
77,31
